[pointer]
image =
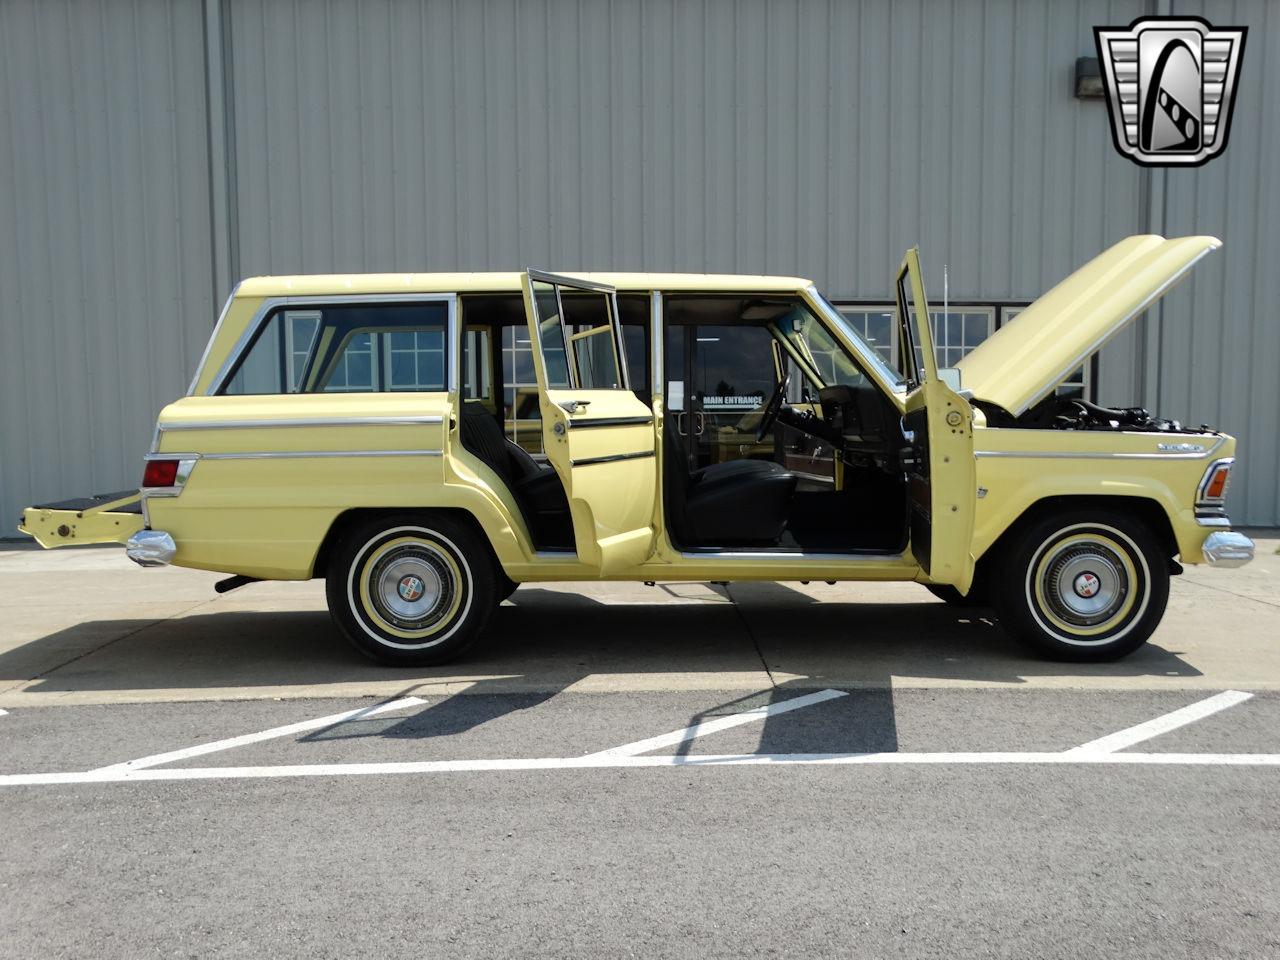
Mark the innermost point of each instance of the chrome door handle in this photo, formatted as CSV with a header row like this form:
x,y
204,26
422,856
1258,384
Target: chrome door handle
x,y
572,406
680,425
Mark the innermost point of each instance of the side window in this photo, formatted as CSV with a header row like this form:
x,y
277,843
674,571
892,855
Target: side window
x,y
347,348
590,328
551,335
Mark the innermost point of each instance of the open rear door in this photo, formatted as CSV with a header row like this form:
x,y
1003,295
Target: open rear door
x,y
597,434
939,425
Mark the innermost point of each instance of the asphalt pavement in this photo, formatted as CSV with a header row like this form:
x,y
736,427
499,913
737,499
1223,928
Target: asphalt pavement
x,y
683,771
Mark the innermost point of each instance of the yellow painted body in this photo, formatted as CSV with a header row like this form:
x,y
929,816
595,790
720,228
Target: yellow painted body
x,y
268,517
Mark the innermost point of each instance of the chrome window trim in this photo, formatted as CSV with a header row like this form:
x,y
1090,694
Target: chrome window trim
x,y
657,369
270,304
611,458
208,347
300,422
564,279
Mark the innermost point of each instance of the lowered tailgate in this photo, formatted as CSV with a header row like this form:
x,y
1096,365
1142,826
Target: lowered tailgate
x,y
102,518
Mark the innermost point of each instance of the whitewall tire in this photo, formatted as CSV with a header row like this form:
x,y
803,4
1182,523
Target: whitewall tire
x,y
1082,585
411,590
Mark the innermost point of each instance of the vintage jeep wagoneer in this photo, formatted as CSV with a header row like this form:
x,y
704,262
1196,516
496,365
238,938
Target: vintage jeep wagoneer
x,y
427,442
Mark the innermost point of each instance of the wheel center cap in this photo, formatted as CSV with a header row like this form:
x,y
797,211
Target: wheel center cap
x,y
1087,584
411,587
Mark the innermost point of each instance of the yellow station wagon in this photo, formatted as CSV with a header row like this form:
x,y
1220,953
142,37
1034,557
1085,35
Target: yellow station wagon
x,y
427,442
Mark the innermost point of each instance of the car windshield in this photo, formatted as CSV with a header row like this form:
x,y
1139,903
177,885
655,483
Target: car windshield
x,y
867,354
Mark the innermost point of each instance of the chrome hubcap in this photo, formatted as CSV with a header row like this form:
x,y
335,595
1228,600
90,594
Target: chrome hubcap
x,y
1085,583
410,588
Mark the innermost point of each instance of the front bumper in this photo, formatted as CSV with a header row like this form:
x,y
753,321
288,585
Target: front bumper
x,y
1226,548
150,548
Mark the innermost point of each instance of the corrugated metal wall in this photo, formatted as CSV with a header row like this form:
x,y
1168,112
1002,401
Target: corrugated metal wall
x,y
1218,338
106,289
778,136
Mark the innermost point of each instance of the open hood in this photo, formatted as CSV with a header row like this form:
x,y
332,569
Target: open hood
x,y
1023,361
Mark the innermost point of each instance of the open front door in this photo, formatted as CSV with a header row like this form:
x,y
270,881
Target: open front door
x,y
597,434
939,425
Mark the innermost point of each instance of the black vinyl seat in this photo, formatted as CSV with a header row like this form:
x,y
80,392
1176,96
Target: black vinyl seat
x,y
738,503
536,487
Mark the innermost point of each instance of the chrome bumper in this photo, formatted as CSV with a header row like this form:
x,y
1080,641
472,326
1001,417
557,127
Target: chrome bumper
x,y
1226,548
150,548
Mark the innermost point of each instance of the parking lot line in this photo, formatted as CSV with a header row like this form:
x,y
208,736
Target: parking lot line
x,y
705,727
1170,721
275,732
598,761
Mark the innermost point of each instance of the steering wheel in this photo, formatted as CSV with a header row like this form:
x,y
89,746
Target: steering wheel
x,y
772,408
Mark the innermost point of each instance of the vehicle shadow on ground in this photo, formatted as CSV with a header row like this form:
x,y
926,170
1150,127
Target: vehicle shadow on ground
x,y
543,642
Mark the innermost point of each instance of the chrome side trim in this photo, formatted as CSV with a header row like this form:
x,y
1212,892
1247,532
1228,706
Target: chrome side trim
x,y
612,458
299,422
1228,549
271,303
610,422
317,454
150,548
1094,455
798,555
217,327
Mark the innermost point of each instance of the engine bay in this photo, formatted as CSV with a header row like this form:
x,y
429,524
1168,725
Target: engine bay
x,y
1072,413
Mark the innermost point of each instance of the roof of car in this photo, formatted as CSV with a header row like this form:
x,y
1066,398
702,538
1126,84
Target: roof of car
x,y
349,283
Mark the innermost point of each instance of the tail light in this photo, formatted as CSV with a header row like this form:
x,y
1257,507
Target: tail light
x,y
165,476
160,473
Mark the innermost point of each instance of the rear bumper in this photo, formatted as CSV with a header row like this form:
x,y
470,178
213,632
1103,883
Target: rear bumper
x,y
150,548
1226,548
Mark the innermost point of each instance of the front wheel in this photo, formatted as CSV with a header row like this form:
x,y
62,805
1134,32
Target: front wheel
x,y
411,590
1082,585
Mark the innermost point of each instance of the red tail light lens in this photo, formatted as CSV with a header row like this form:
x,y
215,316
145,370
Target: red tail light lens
x,y
160,473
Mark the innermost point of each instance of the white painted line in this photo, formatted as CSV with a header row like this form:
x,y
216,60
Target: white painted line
x,y
1170,721
602,761
4,713
302,727
719,723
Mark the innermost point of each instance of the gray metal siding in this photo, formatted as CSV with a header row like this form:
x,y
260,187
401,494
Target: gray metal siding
x,y
1218,340
104,238
816,137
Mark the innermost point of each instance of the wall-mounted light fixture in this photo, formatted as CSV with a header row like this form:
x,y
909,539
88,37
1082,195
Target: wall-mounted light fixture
x,y
1088,79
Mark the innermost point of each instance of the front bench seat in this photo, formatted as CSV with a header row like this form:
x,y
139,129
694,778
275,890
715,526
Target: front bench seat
x,y
737,503
536,487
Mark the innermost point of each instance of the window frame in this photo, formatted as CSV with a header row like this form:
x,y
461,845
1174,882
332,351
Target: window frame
x,y
270,305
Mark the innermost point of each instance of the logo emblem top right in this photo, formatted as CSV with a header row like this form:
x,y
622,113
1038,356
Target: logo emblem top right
x,y
1171,84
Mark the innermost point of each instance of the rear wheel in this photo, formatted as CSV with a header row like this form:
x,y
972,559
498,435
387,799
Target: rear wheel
x,y
1083,585
411,590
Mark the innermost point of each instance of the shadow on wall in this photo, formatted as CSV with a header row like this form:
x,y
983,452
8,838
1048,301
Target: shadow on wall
x,y
542,642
